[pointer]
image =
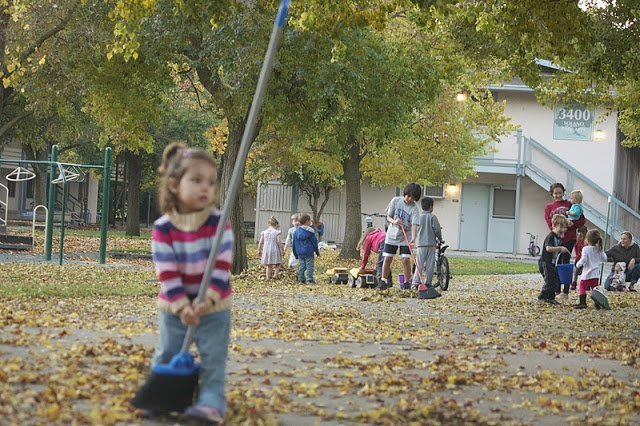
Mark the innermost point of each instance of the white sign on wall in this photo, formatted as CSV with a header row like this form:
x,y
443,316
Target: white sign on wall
x,y
573,122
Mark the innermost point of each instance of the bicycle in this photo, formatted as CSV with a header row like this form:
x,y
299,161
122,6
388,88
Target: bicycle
x,y
368,218
442,271
534,250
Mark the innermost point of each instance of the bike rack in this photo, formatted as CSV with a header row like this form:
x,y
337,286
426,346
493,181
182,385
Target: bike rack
x,y
34,225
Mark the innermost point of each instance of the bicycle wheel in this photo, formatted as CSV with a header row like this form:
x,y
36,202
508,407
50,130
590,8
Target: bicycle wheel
x,y
536,251
443,274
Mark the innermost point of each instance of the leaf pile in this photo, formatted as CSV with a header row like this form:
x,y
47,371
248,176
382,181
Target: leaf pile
x,y
76,341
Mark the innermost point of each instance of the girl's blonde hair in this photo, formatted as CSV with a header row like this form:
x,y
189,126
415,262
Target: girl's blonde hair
x,y
176,159
273,222
577,196
364,235
295,217
594,238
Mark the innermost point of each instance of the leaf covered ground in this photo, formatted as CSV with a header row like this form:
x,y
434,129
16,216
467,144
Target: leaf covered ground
x,y
75,343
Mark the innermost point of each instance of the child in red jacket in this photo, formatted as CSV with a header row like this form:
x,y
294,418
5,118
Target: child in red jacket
x,y
581,233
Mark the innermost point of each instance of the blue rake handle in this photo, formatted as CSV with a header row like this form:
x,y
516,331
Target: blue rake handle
x,y
245,145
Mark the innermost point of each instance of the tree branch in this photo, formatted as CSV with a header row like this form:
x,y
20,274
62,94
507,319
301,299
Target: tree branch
x,y
8,125
45,36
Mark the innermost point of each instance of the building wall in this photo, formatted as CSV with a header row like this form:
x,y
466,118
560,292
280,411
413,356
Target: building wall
x,y
536,121
627,176
92,199
249,208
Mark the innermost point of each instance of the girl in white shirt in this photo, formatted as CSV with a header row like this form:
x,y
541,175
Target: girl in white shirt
x,y
591,261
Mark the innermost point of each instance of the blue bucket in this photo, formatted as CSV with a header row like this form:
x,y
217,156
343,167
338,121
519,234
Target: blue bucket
x,y
565,273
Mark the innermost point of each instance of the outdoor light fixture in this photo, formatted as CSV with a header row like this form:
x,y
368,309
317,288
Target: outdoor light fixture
x,y
452,188
461,96
598,135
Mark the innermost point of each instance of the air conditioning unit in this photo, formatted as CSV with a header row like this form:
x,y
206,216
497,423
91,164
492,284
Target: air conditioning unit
x,y
435,191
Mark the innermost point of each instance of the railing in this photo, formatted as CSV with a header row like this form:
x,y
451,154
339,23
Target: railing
x,y
4,203
75,208
541,163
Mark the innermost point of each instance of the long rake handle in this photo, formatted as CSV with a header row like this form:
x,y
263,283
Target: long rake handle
x,y
412,255
245,145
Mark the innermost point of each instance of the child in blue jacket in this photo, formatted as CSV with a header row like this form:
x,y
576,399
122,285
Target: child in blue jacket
x,y
305,244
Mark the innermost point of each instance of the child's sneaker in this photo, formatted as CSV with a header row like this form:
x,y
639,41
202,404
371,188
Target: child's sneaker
x,y
382,285
311,282
204,412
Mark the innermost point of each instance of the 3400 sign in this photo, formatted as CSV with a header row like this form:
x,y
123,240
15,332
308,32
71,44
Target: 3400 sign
x,y
573,122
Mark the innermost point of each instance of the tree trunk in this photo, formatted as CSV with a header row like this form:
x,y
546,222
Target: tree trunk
x,y
134,170
236,128
353,227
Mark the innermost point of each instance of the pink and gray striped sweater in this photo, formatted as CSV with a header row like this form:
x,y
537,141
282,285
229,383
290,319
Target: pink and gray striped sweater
x,y
180,244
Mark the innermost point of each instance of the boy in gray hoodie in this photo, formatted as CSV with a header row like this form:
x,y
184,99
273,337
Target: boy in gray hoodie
x,y
429,232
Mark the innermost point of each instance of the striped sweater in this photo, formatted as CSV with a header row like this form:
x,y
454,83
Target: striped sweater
x,y
180,244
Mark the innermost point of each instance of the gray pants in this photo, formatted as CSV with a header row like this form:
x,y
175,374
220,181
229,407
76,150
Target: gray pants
x,y
425,263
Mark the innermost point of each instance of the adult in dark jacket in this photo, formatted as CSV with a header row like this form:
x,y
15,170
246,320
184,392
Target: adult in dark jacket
x,y
628,252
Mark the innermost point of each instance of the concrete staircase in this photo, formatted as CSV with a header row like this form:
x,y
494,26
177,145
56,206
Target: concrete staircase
x,y
545,168
16,242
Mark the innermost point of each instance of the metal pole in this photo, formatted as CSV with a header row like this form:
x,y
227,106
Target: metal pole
x,y
104,209
51,204
238,168
65,196
149,209
606,234
516,222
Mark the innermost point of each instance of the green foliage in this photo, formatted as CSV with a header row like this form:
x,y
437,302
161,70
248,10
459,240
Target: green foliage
x,y
597,44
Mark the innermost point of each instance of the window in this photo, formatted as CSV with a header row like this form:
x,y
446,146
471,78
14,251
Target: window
x,y
30,186
435,191
504,203
12,188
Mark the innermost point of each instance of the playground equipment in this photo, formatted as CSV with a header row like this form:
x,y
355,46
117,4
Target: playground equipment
x,y
67,173
4,202
35,225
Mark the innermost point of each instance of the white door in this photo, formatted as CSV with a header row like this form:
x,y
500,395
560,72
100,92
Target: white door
x,y
474,217
502,220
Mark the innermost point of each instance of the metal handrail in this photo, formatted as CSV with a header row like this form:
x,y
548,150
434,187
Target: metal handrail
x,y
5,203
34,224
581,176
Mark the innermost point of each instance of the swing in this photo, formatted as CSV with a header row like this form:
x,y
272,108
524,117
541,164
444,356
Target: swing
x,y
20,174
66,175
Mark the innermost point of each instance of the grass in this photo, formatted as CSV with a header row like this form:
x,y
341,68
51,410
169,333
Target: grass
x,y
145,234
45,279
458,265
471,266
70,281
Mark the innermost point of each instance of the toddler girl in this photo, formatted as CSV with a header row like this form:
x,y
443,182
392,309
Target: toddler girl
x,y
288,242
181,241
581,233
576,210
592,258
619,278
270,249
